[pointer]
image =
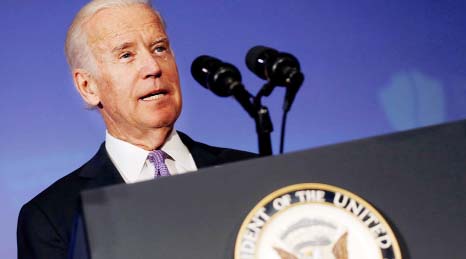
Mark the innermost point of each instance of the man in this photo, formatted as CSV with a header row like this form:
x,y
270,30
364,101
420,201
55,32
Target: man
x,y
123,66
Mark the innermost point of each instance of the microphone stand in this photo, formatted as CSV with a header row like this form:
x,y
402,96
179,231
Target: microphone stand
x,y
264,126
259,113
263,123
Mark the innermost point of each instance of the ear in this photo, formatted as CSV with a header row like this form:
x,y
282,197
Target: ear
x,y
86,85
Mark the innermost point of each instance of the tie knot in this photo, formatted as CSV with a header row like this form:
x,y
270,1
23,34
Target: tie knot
x,y
157,158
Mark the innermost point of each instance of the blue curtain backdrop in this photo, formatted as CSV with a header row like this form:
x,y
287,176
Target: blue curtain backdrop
x,y
371,67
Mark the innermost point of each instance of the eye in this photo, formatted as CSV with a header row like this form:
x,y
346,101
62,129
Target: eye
x,y
160,49
125,55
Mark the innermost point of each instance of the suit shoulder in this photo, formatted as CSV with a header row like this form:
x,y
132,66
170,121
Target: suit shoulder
x,y
61,190
212,155
51,211
56,205
234,154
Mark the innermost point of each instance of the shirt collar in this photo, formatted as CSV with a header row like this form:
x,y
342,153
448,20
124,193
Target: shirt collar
x,y
127,158
177,151
130,159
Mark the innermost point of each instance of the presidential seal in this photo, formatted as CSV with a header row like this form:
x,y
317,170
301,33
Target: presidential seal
x,y
315,221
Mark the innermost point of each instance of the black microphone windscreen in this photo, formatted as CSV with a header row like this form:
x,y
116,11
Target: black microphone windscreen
x,y
202,67
256,60
219,77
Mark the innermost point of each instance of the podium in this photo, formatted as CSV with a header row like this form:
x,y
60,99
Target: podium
x,y
416,179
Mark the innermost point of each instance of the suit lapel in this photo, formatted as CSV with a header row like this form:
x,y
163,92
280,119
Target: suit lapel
x,y
202,156
100,170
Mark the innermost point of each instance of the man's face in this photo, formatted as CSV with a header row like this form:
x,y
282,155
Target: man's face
x,y
137,78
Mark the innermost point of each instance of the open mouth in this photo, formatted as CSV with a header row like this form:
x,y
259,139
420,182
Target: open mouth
x,y
154,95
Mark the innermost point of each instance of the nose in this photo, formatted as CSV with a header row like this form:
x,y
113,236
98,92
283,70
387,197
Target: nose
x,y
149,65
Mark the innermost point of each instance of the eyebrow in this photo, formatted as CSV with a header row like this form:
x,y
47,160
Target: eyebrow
x,y
122,46
126,45
157,41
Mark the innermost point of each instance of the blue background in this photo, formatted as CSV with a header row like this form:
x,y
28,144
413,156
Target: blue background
x,y
372,67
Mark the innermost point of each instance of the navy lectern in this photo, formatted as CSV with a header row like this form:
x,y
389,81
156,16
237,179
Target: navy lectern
x,y
416,179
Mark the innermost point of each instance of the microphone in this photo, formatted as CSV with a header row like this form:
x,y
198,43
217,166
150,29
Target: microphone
x,y
279,68
221,78
215,75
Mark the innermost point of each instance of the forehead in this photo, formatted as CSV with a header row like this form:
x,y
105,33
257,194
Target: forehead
x,y
118,22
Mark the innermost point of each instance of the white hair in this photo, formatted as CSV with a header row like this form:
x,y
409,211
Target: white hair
x,y
77,49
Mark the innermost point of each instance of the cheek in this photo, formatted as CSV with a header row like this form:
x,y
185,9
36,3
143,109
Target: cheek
x,y
115,96
121,84
169,67
171,76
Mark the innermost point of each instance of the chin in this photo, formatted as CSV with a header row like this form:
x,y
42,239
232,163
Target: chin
x,y
160,118
167,122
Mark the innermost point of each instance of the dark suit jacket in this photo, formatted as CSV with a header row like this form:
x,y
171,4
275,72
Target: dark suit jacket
x,y
45,223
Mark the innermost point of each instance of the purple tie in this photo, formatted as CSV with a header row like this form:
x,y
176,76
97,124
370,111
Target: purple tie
x,y
157,158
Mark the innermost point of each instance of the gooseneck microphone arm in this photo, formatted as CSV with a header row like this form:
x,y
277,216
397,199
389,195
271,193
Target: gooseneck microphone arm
x,y
264,127
225,80
244,98
259,113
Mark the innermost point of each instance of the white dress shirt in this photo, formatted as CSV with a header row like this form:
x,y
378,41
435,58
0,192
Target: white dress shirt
x,y
133,166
